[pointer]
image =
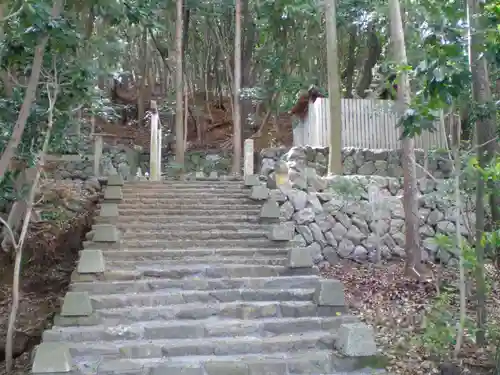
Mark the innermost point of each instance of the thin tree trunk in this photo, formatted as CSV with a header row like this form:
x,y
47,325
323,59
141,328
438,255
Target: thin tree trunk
x,y
486,149
179,124
237,141
29,96
141,92
335,156
351,61
410,203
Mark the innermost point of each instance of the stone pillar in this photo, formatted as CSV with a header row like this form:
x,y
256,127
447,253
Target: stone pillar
x,y
113,192
52,358
248,157
98,145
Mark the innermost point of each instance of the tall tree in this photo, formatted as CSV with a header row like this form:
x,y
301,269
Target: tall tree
x,y
414,265
179,123
237,140
335,108
486,141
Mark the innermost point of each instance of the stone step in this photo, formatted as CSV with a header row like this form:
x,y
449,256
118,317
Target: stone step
x,y
138,210
162,298
314,362
179,255
184,219
146,286
158,329
146,184
194,234
201,200
171,348
188,194
190,226
246,310
127,263
196,205
184,186
194,244
174,272
187,190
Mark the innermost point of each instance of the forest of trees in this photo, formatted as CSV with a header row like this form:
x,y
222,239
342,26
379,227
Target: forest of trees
x,y
63,62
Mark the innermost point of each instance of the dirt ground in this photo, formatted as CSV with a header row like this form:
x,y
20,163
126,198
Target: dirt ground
x,y
49,259
216,123
395,305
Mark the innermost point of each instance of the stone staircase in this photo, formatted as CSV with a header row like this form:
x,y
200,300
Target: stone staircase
x,y
181,278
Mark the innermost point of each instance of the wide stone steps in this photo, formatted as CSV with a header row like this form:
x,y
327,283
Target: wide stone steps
x,y
189,244
171,348
163,298
144,185
146,286
221,234
141,220
185,280
185,211
128,263
193,311
186,201
314,362
183,271
208,328
190,205
190,226
202,254
206,195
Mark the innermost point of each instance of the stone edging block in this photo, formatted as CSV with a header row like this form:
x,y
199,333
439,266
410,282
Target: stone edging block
x,y
330,293
113,194
91,261
76,304
356,340
300,258
115,180
251,180
108,210
270,210
105,233
282,231
259,193
52,358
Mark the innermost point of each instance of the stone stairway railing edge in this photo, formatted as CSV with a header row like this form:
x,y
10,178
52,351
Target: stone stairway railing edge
x,y
355,339
53,357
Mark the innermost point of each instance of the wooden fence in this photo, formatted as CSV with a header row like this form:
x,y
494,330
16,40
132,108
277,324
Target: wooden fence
x,y
365,124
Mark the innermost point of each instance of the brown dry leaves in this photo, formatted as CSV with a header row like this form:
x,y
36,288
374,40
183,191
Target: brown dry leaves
x,y
395,306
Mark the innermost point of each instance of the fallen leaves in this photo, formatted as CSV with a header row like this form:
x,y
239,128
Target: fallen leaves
x,y
396,307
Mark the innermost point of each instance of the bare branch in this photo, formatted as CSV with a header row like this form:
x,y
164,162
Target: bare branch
x,y
9,231
53,91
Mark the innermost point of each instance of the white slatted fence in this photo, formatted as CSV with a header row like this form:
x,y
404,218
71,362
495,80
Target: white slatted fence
x,y
365,124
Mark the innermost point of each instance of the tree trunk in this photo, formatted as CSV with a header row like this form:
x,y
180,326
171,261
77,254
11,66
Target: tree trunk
x,y
335,156
348,75
179,124
237,141
247,78
373,54
486,152
141,92
29,96
410,203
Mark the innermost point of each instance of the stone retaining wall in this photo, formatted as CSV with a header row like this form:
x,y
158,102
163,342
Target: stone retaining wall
x,y
335,217
198,161
357,161
115,159
124,161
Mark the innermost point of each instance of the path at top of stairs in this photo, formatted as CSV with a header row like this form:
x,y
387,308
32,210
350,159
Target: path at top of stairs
x,y
193,286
